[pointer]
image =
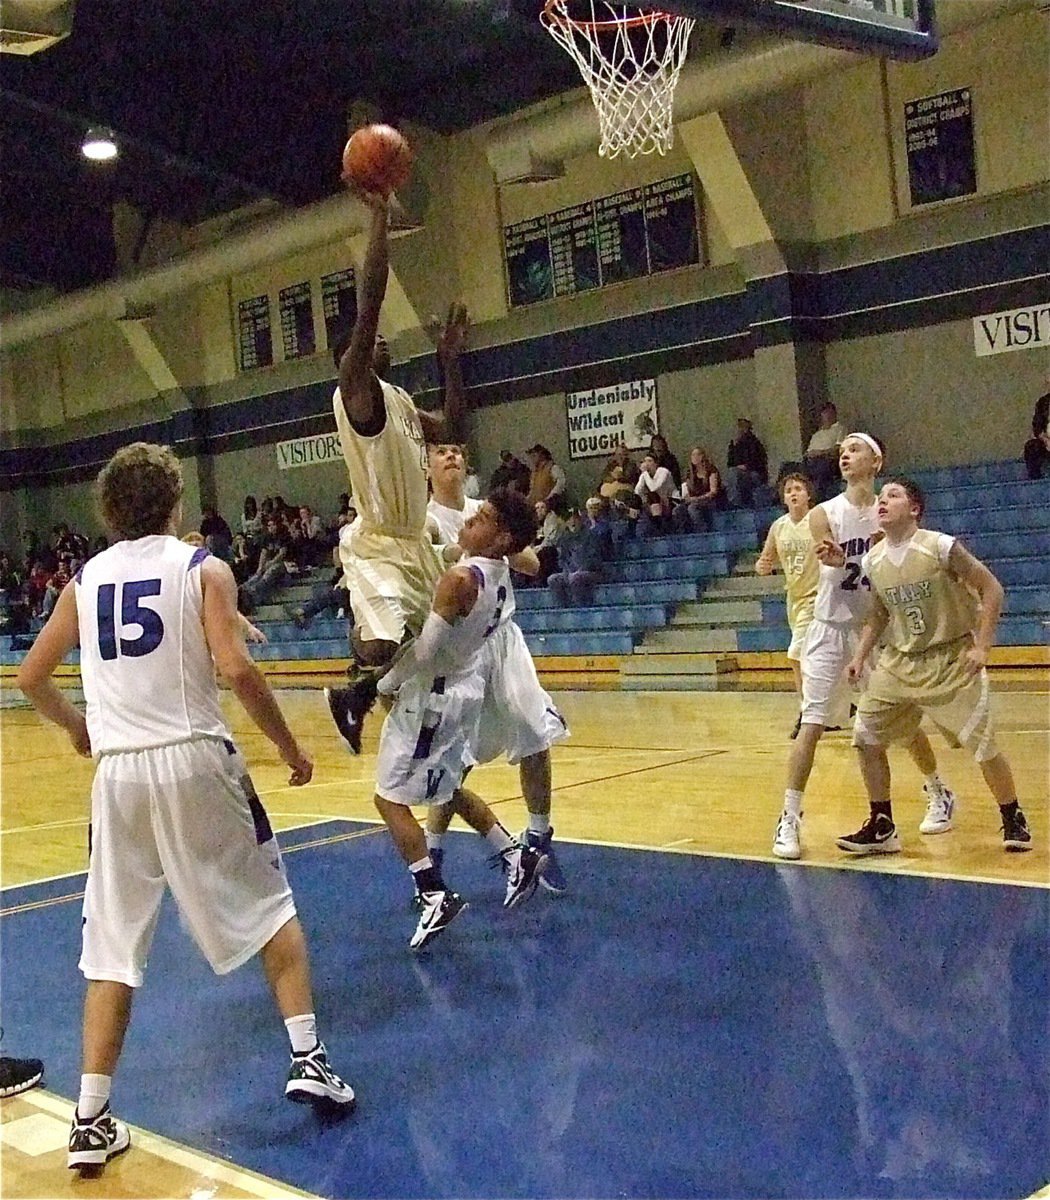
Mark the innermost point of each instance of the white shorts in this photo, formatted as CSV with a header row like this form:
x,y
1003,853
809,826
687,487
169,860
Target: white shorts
x,y
826,651
187,816
518,718
422,748
798,640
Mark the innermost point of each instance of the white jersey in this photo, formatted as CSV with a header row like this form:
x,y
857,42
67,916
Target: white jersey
x,y
451,520
492,609
148,676
843,592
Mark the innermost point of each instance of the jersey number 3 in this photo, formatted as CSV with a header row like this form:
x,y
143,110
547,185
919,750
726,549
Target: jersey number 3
x,y
132,612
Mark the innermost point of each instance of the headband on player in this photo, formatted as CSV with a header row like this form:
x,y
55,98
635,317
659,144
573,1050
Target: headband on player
x,y
868,441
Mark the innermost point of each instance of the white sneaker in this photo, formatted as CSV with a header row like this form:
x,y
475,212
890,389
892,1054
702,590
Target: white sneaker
x,y
940,806
787,843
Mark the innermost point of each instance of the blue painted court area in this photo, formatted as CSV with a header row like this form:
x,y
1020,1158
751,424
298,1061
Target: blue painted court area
x,y
675,1027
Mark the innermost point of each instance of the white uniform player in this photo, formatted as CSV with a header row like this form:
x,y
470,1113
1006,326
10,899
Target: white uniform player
x,y
423,744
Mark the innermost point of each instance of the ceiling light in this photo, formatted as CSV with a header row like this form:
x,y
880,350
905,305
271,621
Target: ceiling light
x,y
99,144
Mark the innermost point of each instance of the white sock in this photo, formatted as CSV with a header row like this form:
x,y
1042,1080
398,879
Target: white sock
x,y
434,840
934,782
793,802
539,823
421,865
302,1032
498,838
94,1094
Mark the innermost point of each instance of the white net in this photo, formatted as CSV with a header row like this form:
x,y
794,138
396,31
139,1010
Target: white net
x,y
630,59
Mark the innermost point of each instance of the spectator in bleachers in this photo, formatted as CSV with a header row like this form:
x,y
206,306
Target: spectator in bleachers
x,y
660,450
242,558
218,537
702,494
582,553
251,519
619,475
313,534
330,596
612,527
546,478
747,463
511,473
271,571
98,545
822,454
1037,448
550,529
656,488
54,587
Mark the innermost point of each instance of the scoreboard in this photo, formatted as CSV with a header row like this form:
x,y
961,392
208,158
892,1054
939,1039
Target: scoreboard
x,y
637,232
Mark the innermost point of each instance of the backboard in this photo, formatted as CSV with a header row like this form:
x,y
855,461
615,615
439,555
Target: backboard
x,y
903,29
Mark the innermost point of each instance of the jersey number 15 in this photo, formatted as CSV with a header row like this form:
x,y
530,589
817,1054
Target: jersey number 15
x,y
132,612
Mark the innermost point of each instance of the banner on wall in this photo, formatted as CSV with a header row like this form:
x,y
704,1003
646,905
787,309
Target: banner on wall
x,y
309,451
938,135
1018,329
599,419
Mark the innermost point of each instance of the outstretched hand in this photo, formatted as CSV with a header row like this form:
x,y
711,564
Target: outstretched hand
x,y
830,553
451,338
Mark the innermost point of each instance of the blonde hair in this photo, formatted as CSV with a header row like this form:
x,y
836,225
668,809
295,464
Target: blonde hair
x,y
138,490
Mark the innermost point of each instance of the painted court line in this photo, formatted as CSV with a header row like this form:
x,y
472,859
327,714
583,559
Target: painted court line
x,y
205,1165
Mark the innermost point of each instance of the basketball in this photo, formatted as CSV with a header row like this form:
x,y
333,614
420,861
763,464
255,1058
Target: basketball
x,y
378,159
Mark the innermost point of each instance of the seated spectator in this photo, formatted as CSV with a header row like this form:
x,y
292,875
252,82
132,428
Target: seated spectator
x,y
251,519
546,479
314,536
611,526
471,483
659,449
748,468
271,571
656,488
619,475
330,596
54,589
702,493
821,459
1037,448
550,529
218,537
242,558
511,473
582,553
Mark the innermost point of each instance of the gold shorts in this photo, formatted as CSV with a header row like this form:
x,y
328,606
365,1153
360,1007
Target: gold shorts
x,y
391,581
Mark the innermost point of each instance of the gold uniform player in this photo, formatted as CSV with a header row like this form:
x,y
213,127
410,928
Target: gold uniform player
x,y
389,560
925,593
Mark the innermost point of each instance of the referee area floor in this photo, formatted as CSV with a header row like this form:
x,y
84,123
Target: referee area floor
x,y
692,1019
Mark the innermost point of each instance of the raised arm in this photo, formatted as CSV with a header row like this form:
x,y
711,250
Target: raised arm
x,y
447,423
222,630
358,383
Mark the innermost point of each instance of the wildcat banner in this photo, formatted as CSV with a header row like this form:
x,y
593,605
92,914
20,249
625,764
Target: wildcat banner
x,y
599,419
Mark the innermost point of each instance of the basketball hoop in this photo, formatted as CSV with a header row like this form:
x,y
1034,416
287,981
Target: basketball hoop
x,y
630,58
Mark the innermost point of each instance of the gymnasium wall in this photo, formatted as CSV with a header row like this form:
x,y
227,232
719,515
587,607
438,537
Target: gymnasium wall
x,y
878,299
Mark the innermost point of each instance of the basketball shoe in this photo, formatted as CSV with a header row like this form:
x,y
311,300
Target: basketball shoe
x,y
940,805
552,878
311,1079
18,1075
350,705
1016,835
523,866
878,835
439,910
787,842
93,1141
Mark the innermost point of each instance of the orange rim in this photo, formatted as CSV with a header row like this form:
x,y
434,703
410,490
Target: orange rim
x,y
551,15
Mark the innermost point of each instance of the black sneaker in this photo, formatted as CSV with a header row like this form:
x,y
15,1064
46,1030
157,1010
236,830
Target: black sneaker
x,y
18,1075
349,706
878,835
522,865
437,857
312,1080
1016,835
93,1141
439,910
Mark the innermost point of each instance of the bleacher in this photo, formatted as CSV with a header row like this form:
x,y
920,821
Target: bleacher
x,y
676,608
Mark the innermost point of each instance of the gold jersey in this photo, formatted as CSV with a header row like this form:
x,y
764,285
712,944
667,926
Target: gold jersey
x,y
388,472
929,606
794,543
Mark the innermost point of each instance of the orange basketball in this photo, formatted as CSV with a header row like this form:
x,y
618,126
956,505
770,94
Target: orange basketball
x,y
378,159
